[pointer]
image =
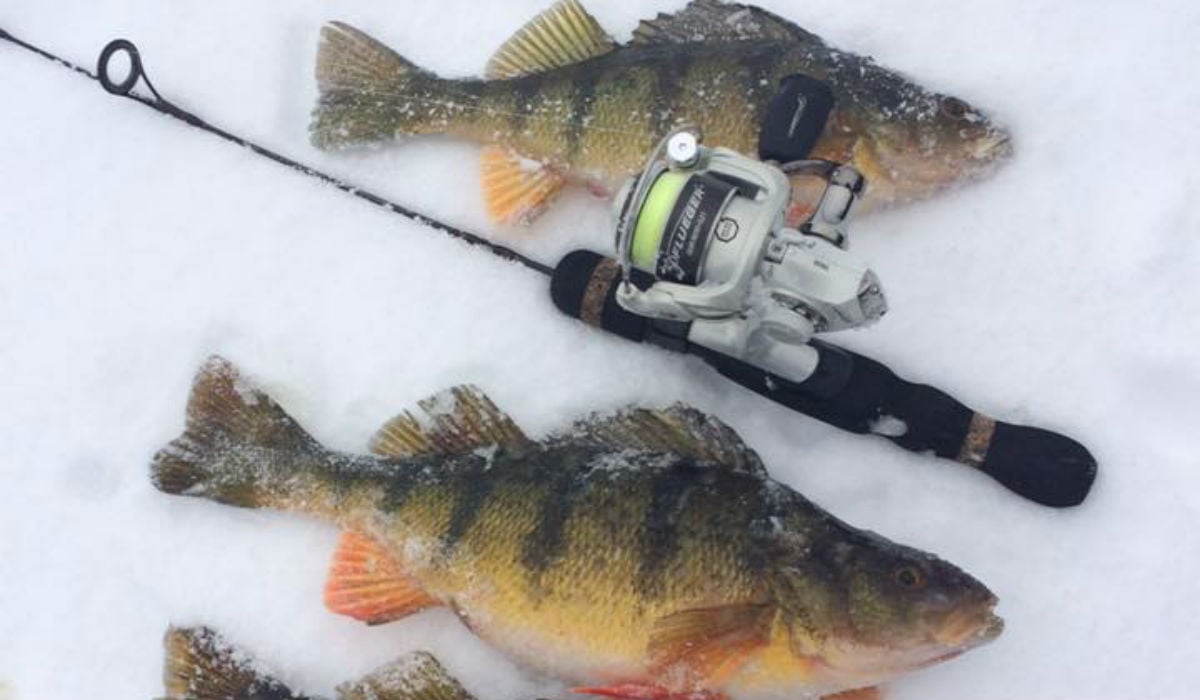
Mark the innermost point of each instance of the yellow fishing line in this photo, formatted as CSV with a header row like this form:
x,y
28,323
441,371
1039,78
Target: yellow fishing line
x,y
652,219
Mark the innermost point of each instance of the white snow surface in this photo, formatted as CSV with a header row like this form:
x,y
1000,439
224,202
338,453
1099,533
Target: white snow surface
x,y
1061,292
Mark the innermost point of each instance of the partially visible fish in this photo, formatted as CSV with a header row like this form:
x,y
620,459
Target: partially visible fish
x,y
562,101
199,664
641,555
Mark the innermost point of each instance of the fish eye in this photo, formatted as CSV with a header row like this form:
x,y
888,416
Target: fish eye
x,y
909,577
955,108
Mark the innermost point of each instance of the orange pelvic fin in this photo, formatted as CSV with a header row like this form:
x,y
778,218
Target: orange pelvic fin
x,y
871,693
646,691
516,189
366,583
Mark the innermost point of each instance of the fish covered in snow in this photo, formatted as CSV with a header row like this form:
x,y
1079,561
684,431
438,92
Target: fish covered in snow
x,y
563,102
642,554
200,664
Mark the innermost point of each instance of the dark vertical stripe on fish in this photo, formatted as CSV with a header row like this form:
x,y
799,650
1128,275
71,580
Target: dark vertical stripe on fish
x,y
472,485
402,475
525,92
582,99
670,84
544,544
669,493
758,66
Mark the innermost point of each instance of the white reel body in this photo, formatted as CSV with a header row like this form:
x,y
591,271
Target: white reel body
x,y
708,226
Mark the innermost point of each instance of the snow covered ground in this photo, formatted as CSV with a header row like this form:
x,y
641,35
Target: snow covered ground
x,y
1061,292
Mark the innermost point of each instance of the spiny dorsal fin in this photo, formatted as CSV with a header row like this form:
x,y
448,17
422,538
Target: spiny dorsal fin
x,y
679,428
516,189
459,420
713,21
201,665
418,676
564,34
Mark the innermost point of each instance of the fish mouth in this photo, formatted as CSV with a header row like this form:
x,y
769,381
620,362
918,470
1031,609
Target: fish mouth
x,y
988,153
970,626
997,147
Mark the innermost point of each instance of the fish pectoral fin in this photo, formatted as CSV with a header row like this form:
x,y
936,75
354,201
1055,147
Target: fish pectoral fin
x,y
417,676
680,429
710,642
562,35
459,420
712,21
871,693
198,664
516,189
366,583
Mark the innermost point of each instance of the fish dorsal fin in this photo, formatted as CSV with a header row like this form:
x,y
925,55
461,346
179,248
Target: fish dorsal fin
x,y
200,665
713,21
564,34
679,428
417,676
456,421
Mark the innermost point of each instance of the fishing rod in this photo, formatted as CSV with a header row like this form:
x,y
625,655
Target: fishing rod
x,y
137,74
706,267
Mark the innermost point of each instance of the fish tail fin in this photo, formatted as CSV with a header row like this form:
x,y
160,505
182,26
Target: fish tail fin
x,y
239,447
368,92
198,664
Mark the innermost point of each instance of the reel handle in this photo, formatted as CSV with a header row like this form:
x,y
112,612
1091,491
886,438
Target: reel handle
x,y
852,392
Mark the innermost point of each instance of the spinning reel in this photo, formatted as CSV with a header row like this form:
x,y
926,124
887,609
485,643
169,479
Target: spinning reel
x,y
708,226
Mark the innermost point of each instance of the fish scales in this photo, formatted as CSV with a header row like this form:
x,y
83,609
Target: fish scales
x,y
606,113
634,542
565,99
511,505
646,547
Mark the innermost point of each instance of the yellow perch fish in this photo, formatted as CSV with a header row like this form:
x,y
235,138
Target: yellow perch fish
x,y
562,101
645,554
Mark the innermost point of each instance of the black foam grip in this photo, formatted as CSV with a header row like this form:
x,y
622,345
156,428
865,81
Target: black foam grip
x,y
854,392
1047,467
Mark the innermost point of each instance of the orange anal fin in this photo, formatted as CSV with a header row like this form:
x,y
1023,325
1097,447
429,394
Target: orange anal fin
x,y
871,693
366,583
646,691
516,189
